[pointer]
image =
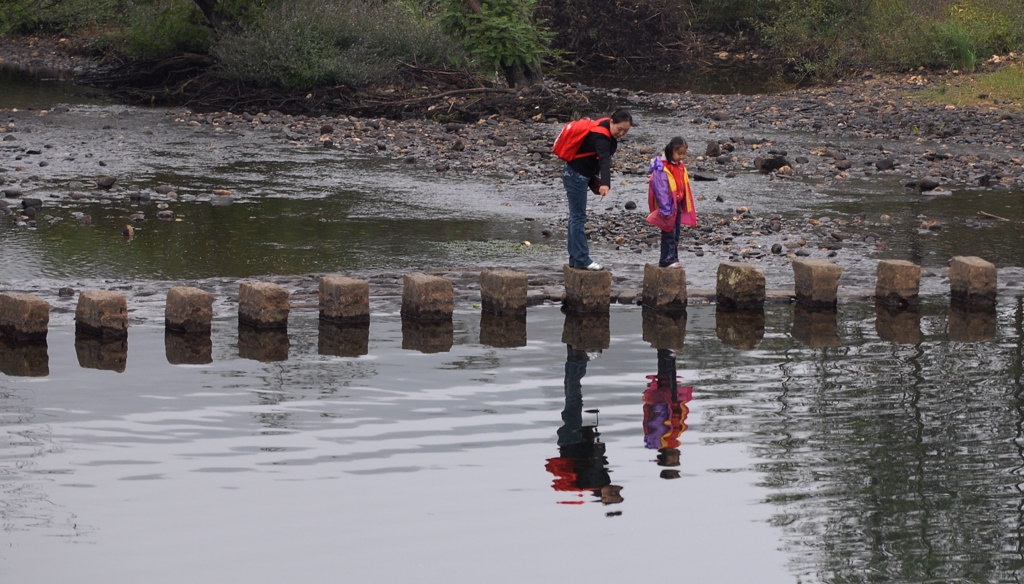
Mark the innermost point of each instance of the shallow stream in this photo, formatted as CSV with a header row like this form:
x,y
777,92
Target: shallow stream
x,y
848,447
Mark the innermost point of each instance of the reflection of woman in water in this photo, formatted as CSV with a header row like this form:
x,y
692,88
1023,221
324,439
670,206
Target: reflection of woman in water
x,y
581,465
665,413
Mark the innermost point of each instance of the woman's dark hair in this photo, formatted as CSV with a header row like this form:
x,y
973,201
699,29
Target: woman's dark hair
x,y
622,115
673,144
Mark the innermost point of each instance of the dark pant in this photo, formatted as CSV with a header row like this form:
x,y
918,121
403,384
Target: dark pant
x,y
669,247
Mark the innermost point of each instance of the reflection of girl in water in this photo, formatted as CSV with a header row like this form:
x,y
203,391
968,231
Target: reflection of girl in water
x,y
665,412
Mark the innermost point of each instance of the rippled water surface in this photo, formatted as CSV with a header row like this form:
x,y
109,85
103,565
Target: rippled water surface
x,y
814,448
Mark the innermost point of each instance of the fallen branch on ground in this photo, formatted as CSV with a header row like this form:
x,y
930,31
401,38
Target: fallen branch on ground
x,y
991,216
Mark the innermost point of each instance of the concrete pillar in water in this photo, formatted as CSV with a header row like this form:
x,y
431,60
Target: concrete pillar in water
x,y
902,326
102,313
664,330
24,358
972,283
815,327
24,317
587,291
428,336
427,298
263,305
188,310
502,331
740,287
971,326
264,343
898,283
816,283
105,352
188,348
664,289
587,332
503,292
742,330
343,340
344,300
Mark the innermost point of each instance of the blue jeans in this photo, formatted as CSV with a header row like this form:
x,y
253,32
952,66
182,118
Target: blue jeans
x,y
576,190
669,247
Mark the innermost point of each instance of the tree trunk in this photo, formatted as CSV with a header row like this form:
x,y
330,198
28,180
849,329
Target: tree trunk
x,y
522,76
213,16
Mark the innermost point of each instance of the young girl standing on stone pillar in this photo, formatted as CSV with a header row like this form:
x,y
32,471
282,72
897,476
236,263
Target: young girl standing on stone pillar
x,y
670,199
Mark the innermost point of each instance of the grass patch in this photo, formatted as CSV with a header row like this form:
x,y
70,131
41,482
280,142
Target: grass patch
x,y
1003,88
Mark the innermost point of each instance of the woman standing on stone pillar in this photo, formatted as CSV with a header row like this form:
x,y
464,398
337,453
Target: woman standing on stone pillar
x,y
593,165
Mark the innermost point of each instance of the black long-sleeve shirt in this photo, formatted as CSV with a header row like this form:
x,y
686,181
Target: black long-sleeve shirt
x,y
601,163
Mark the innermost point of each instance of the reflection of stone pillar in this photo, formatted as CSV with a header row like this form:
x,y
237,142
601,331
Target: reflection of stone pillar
x,y
972,283
664,330
897,326
350,340
102,313
23,358
24,317
587,291
431,336
427,298
263,305
740,287
344,300
816,283
742,330
502,331
262,344
188,348
503,292
971,326
898,283
815,328
189,310
98,352
587,332
664,289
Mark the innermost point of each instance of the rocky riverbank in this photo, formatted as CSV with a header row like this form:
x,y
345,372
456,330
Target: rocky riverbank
x,y
869,130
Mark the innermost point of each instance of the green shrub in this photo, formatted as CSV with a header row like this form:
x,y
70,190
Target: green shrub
x,y
23,16
954,45
947,34
504,34
899,36
826,38
311,43
993,26
163,29
732,15
819,38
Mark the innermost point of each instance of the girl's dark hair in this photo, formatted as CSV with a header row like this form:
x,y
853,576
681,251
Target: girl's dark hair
x,y
673,144
622,115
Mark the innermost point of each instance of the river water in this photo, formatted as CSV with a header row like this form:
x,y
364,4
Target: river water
x,y
816,456
801,447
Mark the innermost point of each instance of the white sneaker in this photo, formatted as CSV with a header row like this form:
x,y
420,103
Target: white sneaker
x,y
675,265
594,266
